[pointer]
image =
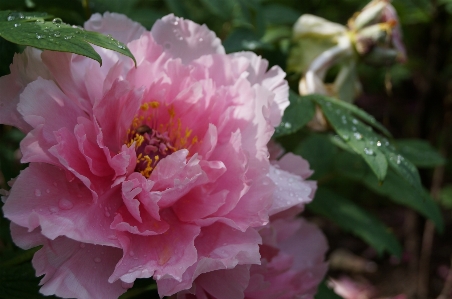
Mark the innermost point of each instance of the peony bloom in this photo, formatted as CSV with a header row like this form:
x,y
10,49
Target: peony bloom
x,y
292,258
159,170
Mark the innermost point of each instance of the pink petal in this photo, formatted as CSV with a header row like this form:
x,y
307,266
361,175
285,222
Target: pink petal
x,y
272,80
185,39
26,68
42,196
165,255
219,247
74,269
117,25
121,104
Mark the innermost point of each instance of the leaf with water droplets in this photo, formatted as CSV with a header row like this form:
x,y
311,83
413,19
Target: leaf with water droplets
x,y
45,32
296,116
356,220
419,152
358,136
361,114
394,187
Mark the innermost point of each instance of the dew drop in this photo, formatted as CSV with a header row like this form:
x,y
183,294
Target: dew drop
x,y
107,214
57,34
167,45
345,137
399,159
40,21
291,194
378,143
82,245
65,204
368,151
131,253
38,192
354,129
38,36
287,125
68,37
53,209
97,260
358,136
11,18
181,38
355,121
57,21
175,22
121,47
200,39
17,25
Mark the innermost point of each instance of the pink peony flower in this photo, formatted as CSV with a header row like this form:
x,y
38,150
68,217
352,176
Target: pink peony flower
x,y
292,266
156,171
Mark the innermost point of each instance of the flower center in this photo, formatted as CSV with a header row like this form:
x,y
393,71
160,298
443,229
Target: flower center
x,y
155,140
151,146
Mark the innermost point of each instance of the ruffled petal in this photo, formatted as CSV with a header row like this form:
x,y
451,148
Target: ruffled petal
x,y
118,26
185,39
43,197
77,270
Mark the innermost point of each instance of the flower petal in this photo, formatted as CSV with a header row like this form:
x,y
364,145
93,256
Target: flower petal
x,y
117,25
74,269
185,39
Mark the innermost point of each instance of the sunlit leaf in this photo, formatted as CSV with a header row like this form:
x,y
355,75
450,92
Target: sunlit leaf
x,y
31,29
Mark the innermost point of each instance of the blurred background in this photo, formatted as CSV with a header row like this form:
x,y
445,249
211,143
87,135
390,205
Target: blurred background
x,y
412,100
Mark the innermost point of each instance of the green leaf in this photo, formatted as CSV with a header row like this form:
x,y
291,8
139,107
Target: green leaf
x,y
280,14
352,218
19,282
243,39
356,134
419,152
319,151
324,292
361,114
373,148
221,8
394,187
296,116
445,197
31,29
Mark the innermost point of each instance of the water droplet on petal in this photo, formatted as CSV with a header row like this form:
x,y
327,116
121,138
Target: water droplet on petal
x,y
97,260
53,209
38,192
131,253
107,214
200,39
82,245
65,204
